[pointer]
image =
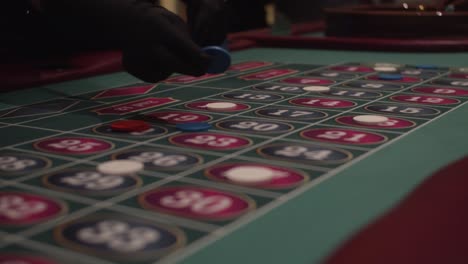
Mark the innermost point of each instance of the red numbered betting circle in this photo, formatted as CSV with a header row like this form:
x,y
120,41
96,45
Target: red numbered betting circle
x,y
210,141
178,117
21,258
18,208
392,123
74,145
196,202
344,136
201,105
450,91
423,99
284,177
322,102
459,75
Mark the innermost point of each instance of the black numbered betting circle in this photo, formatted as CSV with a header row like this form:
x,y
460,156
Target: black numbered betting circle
x,y
407,110
304,153
119,237
251,96
161,159
290,113
374,85
451,82
90,182
255,126
354,93
154,131
272,87
16,163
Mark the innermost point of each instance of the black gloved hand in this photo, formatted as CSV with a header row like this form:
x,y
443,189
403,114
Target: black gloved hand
x,y
174,51
155,42
208,21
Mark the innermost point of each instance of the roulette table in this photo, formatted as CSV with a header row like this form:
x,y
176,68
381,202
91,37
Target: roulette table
x,y
333,177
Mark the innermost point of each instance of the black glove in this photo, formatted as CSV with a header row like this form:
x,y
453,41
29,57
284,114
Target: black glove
x,y
155,42
208,21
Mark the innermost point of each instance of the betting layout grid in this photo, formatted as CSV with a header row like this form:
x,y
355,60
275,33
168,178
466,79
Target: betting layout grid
x,y
53,203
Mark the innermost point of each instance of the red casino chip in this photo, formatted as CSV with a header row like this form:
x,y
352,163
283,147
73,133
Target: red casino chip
x,y
130,126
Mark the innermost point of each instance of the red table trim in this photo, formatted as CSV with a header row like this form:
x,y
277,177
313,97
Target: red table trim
x,y
429,226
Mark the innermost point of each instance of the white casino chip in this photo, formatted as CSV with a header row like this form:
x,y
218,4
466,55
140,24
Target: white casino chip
x,y
250,174
370,119
385,69
316,88
221,106
386,64
120,167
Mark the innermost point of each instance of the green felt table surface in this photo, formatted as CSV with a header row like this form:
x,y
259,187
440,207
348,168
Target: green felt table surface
x,y
312,223
307,224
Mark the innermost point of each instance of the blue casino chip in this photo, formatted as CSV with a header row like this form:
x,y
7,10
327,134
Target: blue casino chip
x,y
221,60
426,67
390,76
193,127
